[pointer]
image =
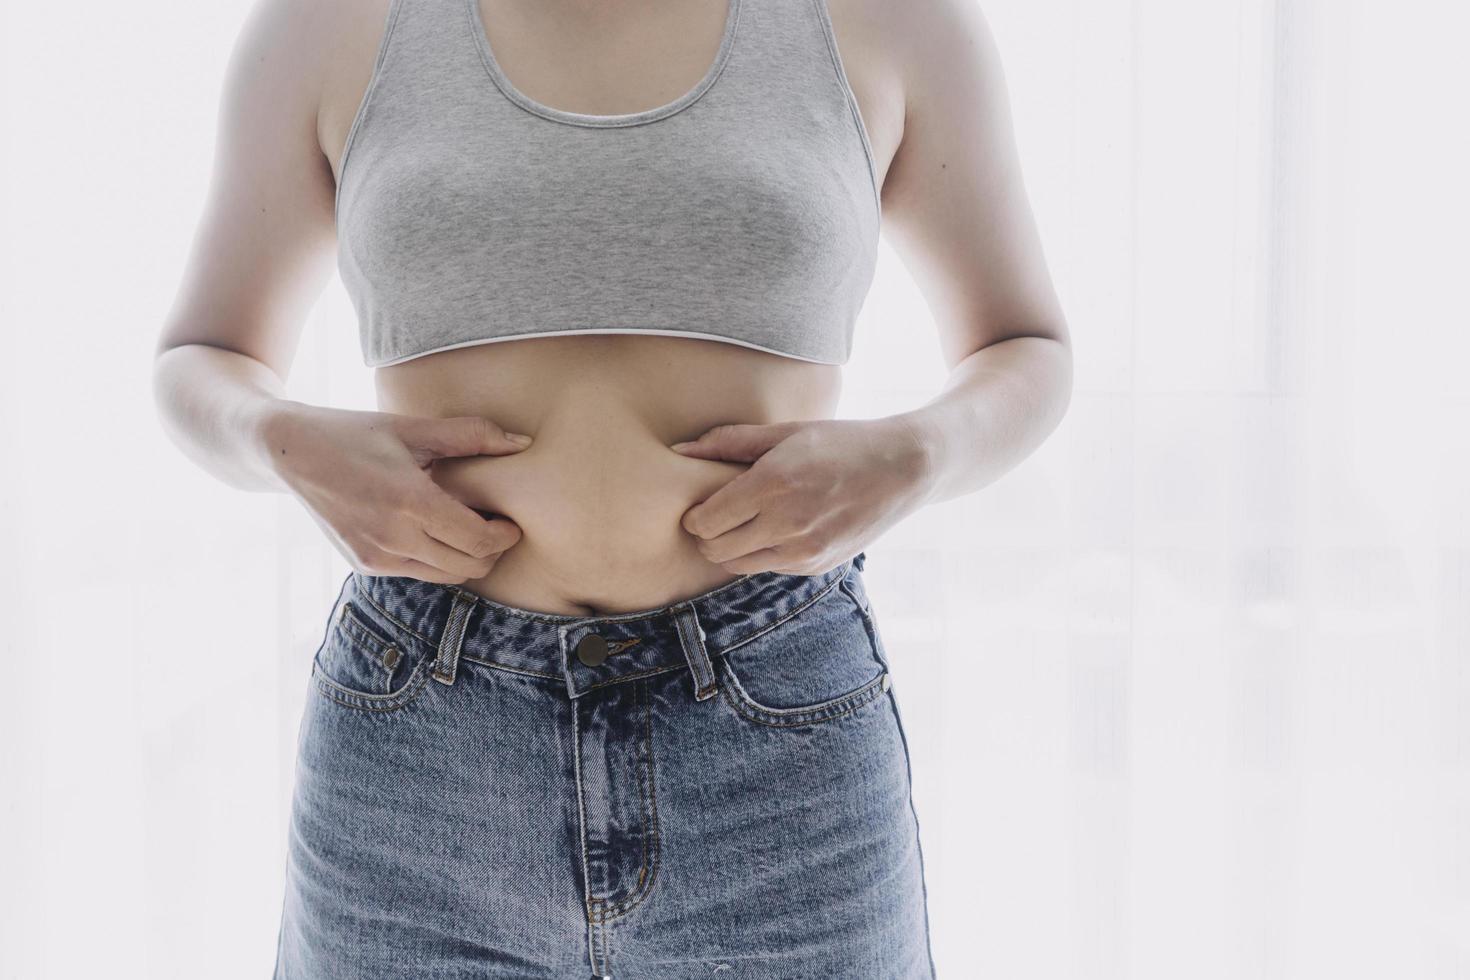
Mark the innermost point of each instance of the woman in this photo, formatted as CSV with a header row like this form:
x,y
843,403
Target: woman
x,y
604,689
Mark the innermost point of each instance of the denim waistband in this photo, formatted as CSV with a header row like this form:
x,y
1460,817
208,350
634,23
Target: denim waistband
x,y
452,624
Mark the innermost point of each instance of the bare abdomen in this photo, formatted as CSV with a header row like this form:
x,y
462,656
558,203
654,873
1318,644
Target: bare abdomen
x,y
599,495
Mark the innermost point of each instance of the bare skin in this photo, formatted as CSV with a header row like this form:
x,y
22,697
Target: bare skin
x,y
601,513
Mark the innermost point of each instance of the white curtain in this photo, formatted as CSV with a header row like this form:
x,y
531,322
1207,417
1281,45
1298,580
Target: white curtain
x,y
1186,692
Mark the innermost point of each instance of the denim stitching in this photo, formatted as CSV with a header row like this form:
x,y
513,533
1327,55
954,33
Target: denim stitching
x,y
562,620
770,626
695,648
746,713
351,624
374,651
651,799
366,641
512,670
582,816
816,714
852,594
410,692
720,653
593,905
362,593
631,677
451,642
870,624
643,841
918,842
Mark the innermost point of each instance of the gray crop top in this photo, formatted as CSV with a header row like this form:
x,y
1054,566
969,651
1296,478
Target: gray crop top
x,y
745,211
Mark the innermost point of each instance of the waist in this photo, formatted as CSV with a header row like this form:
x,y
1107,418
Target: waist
x,y
599,509
416,615
599,495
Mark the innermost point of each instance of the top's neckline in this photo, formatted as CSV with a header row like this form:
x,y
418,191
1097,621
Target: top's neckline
x,y
498,76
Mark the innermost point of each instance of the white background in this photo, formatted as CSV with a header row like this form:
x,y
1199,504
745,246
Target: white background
x,y
1186,692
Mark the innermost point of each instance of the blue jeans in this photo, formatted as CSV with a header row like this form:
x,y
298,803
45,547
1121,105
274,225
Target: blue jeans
x,y
717,788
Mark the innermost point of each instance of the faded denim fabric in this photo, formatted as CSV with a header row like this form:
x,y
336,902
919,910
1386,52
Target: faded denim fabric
x,y
717,788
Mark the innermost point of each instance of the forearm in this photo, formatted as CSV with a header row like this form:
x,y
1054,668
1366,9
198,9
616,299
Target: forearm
x,y
218,406
996,407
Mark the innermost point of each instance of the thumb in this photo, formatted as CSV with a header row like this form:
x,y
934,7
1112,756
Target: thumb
x,y
737,443
464,435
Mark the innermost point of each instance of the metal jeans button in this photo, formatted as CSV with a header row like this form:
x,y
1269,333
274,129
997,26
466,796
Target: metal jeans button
x,y
592,649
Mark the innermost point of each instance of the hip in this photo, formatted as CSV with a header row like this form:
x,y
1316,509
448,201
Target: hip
x,y
723,778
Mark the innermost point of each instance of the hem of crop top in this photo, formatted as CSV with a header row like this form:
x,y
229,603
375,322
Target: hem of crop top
x,y
600,330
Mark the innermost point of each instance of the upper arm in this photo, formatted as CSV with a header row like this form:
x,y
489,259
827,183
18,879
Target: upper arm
x,y
265,241
954,201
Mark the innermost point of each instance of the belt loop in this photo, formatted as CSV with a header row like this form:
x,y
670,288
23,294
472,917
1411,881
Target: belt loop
x,y
446,663
859,560
691,638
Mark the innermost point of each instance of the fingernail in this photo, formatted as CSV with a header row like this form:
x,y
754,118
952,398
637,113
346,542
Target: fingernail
x,y
679,447
518,438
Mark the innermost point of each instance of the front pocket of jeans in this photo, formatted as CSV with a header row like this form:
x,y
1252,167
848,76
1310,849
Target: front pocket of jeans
x,y
818,665
837,707
360,665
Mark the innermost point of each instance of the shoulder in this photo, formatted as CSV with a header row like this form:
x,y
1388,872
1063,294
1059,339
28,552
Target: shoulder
x,y
924,43
330,47
284,52
919,49
307,44
298,37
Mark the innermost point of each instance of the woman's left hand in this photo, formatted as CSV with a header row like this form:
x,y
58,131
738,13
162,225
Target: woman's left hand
x,y
818,492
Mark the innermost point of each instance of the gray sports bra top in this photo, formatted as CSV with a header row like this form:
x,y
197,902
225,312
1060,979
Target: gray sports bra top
x,y
744,211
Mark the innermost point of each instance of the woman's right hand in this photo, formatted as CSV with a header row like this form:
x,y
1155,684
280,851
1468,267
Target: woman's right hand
x,y
364,478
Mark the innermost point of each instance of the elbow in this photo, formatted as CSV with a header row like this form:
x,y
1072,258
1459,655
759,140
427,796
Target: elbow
x,y
1064,372
163,386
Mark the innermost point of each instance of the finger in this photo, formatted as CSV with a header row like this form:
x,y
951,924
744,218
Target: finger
x,y
449,560
464,435
737,443
449,520
753,535
412,569
504,532
765,560
728,507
